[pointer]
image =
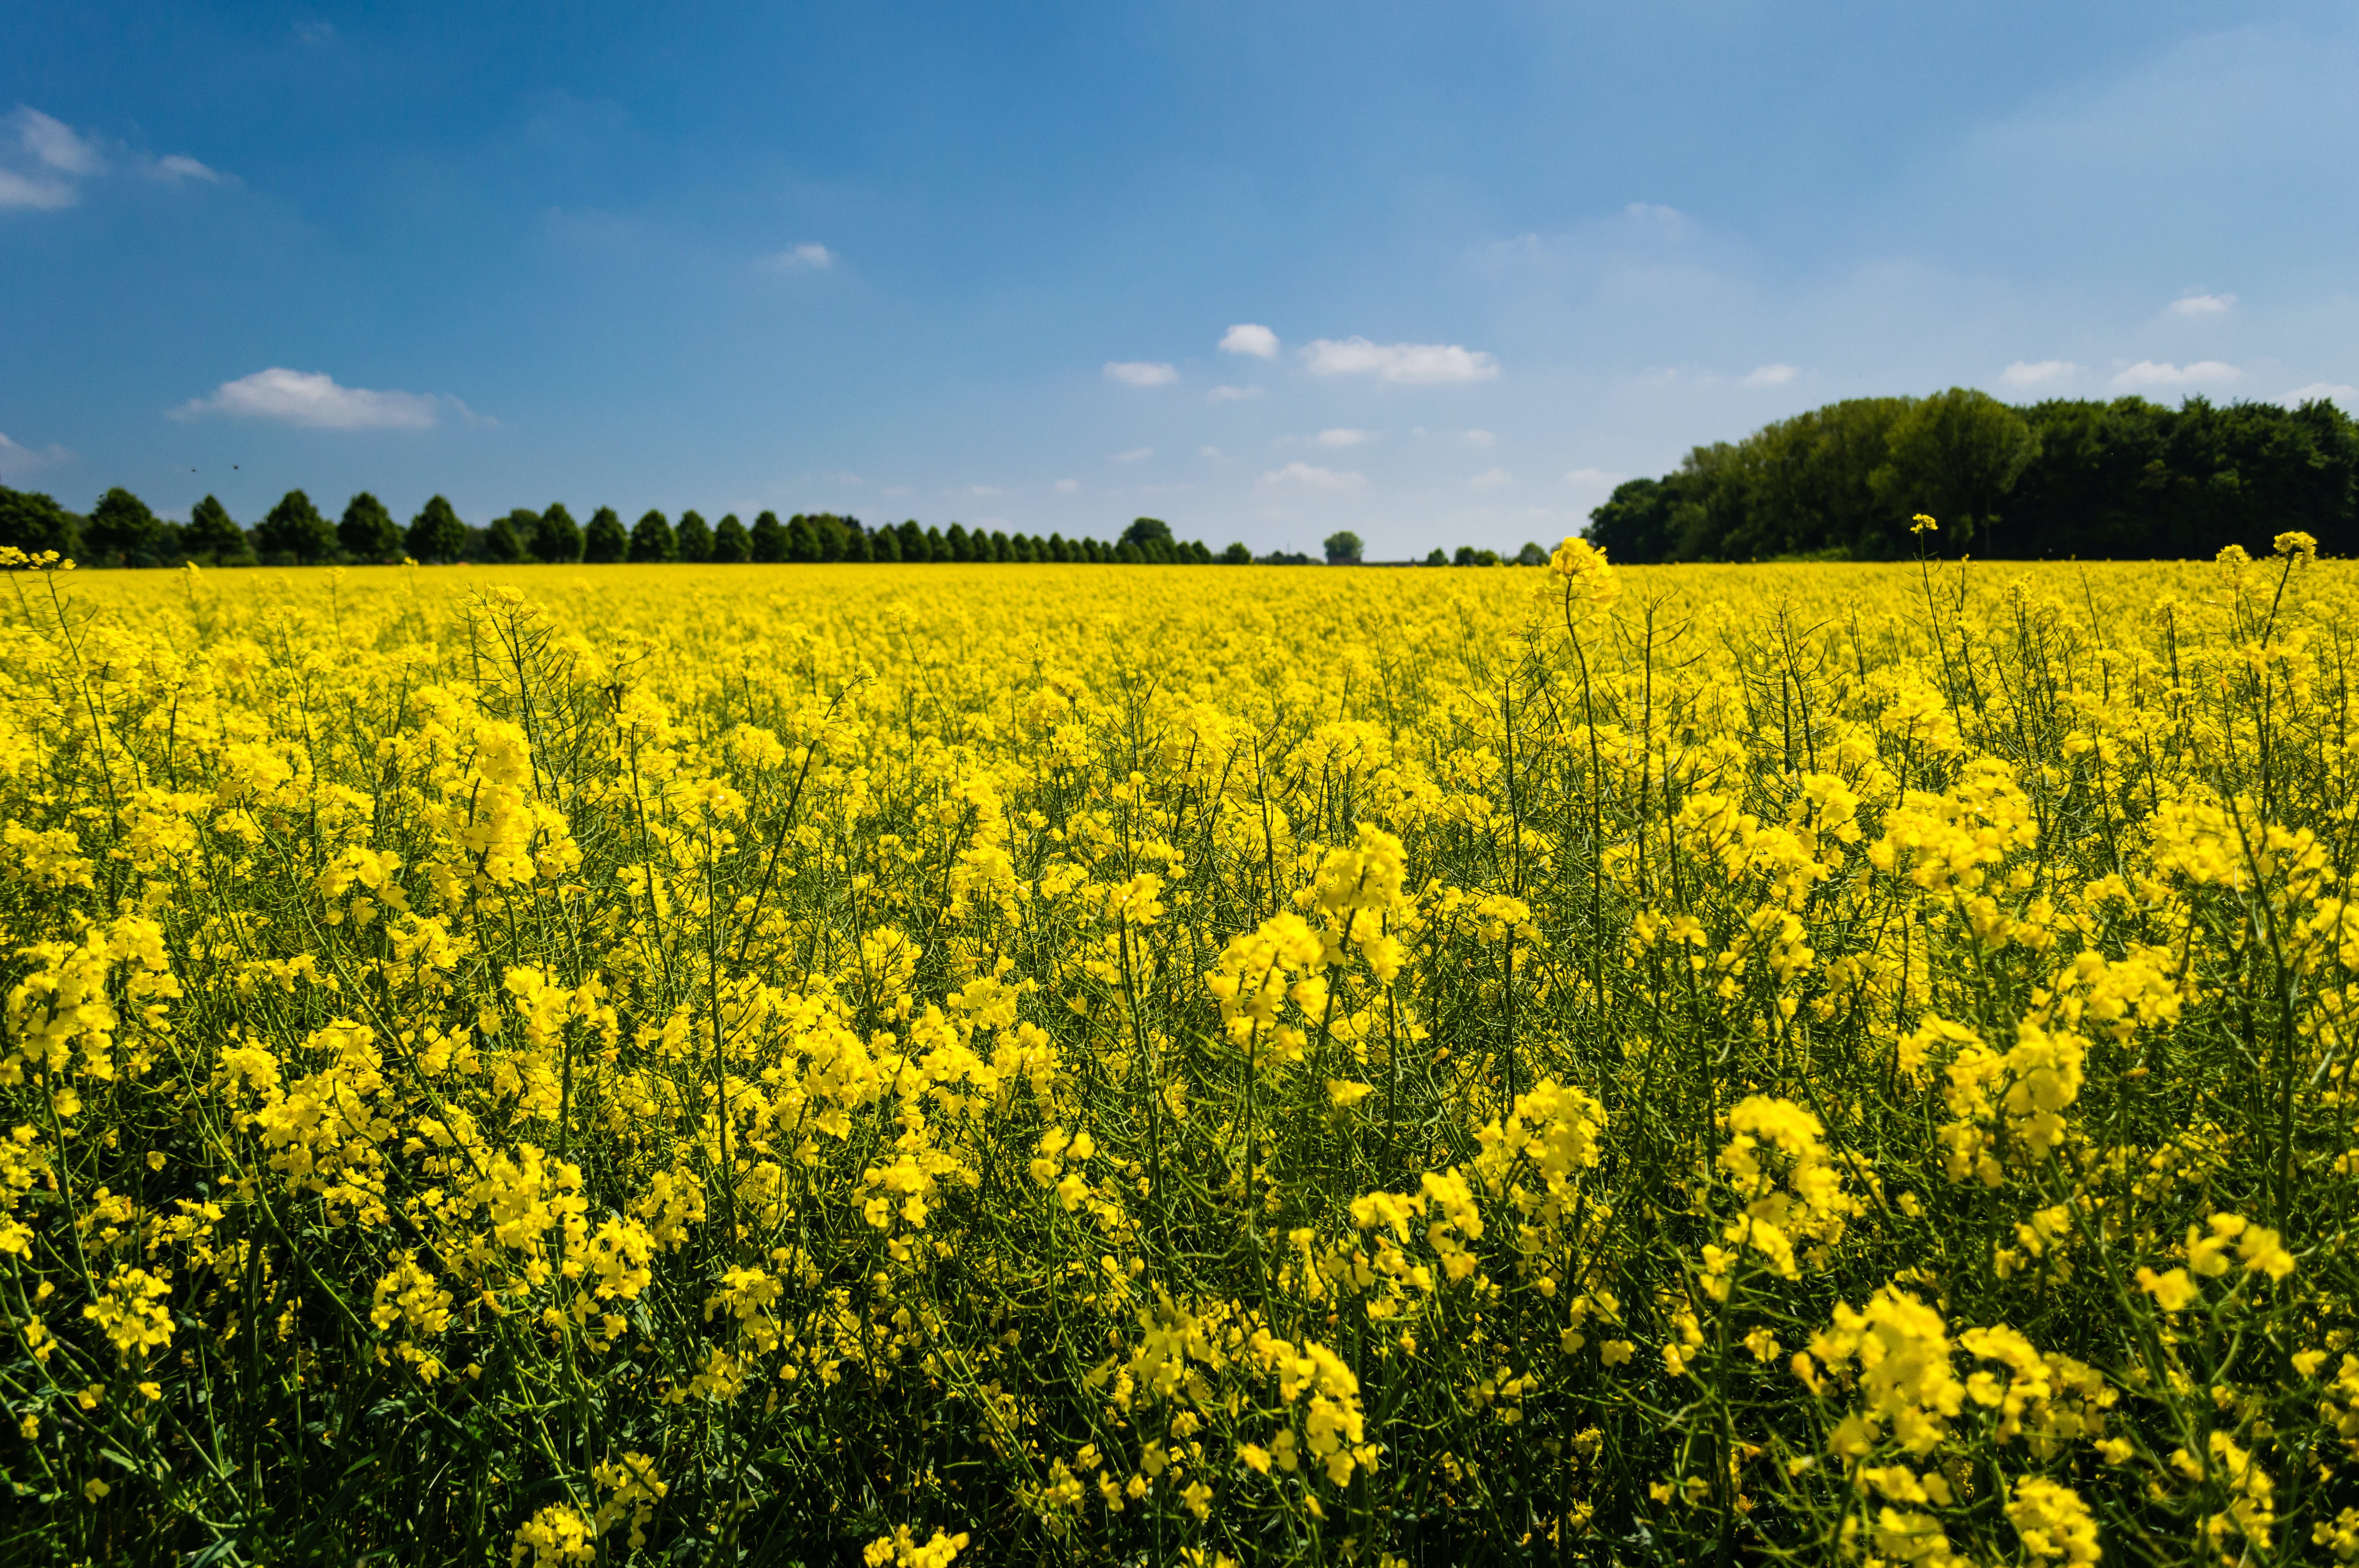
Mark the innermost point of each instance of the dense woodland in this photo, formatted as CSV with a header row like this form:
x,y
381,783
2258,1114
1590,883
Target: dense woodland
x,y
2124,479
121,531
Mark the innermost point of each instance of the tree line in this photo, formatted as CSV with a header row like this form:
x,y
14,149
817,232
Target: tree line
x,y
2125,478
122,531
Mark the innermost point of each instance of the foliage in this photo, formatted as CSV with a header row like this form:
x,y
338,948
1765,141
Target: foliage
x,y
694,537
556,537
507,542
603,543
121,531
294,531
652,539
367,531
1343,548
436,534
2125,478
34,523
730,543
213,538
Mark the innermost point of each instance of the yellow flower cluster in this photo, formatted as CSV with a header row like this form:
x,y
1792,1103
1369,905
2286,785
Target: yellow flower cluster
x,y
600,1064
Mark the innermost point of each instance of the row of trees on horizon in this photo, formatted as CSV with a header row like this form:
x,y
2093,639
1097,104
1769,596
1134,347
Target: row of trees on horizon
x,y
2125,478
122,531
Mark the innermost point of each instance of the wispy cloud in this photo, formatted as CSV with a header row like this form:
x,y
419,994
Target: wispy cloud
x,y
1595,479
2039,372
2149,373
1231,394
1768,375
1245,338
1310,478
1135,455
15,458
1478,439
1141,372
2327,390
808,257
313,400
1403,365
1491,479
1340,437
1067,487
43,161
2202,305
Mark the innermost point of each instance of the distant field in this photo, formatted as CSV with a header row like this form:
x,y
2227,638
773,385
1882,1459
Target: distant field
x,y
1091,1064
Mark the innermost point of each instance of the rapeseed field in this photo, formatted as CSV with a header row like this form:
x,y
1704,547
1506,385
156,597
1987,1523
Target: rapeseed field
x,y
1080,1065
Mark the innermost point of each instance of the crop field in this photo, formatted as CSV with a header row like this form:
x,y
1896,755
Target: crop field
x,y
1206,1065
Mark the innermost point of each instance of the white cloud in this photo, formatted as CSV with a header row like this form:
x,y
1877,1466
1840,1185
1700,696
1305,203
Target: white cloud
x,y
51,157
2203,305
1403,364
2149,373
176,168
1311,478
40,194
1245,338
54,143
1478,439
1212,452
1770,375
1140,372
1595,479
1490,479
844,478
1067,487
1136,454
21,460
810,257
313,399
899,490
2332,391
1231,394
2039,372
1340,437
983,490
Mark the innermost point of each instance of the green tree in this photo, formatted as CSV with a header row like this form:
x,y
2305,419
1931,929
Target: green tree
x,y
1531,554
1343,548
436,534
1437,557
121,531
1057,549
1146,533
832,535
604,543
33,522
915,545
652,540
213,536
802,540
938,548
1955,455
959,547
557,538
885,544
295,528
770,539
1238,554
857,544
730,545
693,538
507,541
366,531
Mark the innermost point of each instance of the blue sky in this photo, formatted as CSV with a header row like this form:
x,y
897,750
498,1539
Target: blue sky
x,y
1470,262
